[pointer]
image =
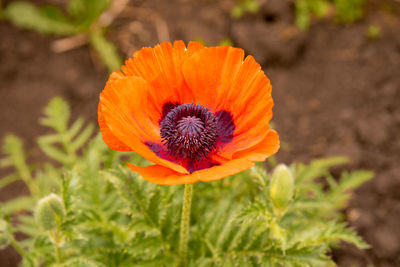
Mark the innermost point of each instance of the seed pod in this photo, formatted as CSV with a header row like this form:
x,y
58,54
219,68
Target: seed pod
x,y
4,234
50,212
281,188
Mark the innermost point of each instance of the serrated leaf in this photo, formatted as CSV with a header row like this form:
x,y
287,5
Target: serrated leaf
x,y
75,128
53,152
82,138
354,179
57,115
317,168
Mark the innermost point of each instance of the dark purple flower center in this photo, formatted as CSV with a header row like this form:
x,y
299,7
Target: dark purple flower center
x,y
189,131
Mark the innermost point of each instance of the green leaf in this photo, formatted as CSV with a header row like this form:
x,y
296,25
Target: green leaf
x,y
47,20
333,232
17,204
317,168
75,128
53,13
86,12
57,115
354,179
52,151
13,147
5,181
82,138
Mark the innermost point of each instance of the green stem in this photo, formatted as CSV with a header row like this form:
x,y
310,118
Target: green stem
x,y
55,238
185,222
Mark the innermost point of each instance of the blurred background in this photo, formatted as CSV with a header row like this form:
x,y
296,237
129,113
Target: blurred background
x,y
334,67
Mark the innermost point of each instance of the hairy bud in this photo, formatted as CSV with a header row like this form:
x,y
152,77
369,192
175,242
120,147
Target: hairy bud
x,y
50,212
281,188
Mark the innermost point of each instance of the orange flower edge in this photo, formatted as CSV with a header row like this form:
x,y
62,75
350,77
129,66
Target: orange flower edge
x,y
199,114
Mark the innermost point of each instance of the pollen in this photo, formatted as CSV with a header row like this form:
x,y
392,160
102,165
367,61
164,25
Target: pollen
x,y
189,131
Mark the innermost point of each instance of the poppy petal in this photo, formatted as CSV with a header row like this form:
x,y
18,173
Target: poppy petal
x,y
161,175
206,70
251,105
249,131
161,68
129,95
108,137
232,85
264,149
122,104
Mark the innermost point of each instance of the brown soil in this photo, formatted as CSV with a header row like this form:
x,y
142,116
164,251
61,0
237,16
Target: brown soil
x,y
336,93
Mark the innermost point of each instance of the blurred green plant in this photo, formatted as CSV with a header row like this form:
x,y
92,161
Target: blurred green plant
x,y
243,7
373,32
349,11
226,42
346,11
81,21
99,213
306,9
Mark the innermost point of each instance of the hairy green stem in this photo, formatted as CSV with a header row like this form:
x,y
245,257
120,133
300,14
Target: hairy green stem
x,y
185,222
55,238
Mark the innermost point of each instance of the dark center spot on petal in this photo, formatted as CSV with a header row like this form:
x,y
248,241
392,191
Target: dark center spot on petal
x,y
226,126
167,107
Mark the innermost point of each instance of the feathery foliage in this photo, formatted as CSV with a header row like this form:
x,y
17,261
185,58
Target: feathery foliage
x,y
112,217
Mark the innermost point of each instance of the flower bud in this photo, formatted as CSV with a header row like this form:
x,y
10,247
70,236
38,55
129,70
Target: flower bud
x,y
281,188
4,234
50,212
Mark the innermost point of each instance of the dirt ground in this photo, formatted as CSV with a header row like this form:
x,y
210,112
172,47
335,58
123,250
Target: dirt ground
x,y
336,92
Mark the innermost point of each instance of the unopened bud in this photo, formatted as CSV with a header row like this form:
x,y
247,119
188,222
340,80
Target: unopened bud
x,y
281,188
50,212
4,234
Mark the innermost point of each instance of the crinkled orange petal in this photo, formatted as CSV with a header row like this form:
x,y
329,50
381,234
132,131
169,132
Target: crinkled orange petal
x,y
108,138
206,71
251,104
161,175
231,84
257,126
261,151
122,104
161,67
129,95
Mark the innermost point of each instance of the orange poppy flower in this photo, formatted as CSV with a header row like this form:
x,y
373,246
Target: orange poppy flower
x,y
199,114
